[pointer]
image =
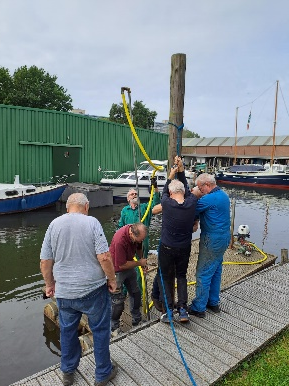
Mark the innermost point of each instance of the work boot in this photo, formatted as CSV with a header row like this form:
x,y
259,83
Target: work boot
x,y
199,314
109,377
67,379
216,309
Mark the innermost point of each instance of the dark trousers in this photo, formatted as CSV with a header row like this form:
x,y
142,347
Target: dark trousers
x,y
173,262
129,279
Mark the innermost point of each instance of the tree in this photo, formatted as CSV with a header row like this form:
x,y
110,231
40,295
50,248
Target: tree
x,y
33,87
190,134
6,84
142,116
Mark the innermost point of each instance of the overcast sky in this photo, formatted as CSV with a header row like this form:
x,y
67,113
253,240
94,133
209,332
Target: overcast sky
x,y
235,50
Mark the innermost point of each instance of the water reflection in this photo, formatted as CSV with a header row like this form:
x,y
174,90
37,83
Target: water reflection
x,y
52,336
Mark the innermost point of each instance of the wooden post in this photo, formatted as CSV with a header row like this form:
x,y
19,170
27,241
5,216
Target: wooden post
x,y
233,209
177,95
284,256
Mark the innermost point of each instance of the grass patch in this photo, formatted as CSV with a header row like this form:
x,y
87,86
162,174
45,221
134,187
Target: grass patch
x,y
269,367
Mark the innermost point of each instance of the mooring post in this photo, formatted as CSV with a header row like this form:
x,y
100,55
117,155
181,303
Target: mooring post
x,y
177,96
233,209
284,256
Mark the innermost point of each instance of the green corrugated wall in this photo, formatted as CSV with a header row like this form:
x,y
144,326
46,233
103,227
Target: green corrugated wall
x,y
29,135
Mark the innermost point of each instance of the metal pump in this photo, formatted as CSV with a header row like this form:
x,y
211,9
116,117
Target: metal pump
x,y
243,233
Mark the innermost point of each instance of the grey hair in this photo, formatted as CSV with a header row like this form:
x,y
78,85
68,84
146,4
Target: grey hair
x,y
137,228
129,192
206,178
176,186
79,199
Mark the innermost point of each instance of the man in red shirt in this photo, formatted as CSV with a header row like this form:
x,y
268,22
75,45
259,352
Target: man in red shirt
x,y
124,244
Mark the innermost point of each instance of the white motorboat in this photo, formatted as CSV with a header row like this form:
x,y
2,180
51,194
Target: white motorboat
x,y
127,180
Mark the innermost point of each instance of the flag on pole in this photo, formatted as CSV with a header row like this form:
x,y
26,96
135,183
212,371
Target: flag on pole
x,y
249,119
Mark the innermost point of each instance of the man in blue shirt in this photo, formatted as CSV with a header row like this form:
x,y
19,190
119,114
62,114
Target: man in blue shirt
x,y
213,209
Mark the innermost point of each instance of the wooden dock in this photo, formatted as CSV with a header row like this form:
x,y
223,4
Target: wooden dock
x,y
254,311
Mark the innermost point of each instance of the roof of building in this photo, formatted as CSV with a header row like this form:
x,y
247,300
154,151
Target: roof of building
x,y
241,141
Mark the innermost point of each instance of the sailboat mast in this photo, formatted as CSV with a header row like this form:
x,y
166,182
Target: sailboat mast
x,y
275,122
236,131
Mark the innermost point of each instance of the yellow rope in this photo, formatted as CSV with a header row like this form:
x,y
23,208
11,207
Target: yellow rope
x,y
160,168
248,262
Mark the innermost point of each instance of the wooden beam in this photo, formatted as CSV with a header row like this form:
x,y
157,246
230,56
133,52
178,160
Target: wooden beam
x,y
177,95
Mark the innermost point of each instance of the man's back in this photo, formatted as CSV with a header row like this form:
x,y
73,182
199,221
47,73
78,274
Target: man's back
x,y
73,240
214,210
178,221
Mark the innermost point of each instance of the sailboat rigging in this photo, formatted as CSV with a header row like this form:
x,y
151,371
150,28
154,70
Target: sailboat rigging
x,y
270,175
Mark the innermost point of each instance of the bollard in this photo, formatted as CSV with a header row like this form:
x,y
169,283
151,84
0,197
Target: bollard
x,y
284,256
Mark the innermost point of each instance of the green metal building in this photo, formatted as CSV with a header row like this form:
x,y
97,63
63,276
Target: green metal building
x,y
39,144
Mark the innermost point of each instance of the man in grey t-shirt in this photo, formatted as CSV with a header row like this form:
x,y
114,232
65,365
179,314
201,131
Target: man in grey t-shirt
x,y
77,269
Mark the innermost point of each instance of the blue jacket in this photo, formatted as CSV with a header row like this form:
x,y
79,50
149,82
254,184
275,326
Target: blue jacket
x,y
214,212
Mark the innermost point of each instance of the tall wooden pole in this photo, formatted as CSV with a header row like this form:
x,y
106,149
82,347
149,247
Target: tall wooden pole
x,y
177,96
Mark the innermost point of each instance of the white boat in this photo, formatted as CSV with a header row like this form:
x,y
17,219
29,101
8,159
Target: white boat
x,y
127,180
15,198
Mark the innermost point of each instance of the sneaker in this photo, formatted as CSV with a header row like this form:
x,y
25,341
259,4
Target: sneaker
x,y
199,314
215,309
109,377
67,379
115,333
183,315
165,318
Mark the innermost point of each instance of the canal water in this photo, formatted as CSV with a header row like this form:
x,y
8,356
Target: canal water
x,y
28,343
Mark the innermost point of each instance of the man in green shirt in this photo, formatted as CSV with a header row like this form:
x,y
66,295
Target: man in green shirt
x,y
130,213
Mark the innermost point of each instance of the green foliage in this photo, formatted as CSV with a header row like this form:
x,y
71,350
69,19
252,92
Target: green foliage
x,y
6,85
33,87
142,116
190,134
269,367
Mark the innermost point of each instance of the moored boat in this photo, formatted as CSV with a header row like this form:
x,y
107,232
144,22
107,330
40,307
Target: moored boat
x,y
267,176
271,175
127,180
16,197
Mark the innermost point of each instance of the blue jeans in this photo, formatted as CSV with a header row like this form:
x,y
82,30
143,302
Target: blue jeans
x,y
209,270
97,307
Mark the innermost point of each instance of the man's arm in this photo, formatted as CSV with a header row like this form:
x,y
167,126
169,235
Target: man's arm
x,y
171,176
156,198
134,263
46,267
157,209
105,261
121,221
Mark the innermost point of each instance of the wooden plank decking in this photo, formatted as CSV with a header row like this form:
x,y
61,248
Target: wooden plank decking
x,y
254,311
